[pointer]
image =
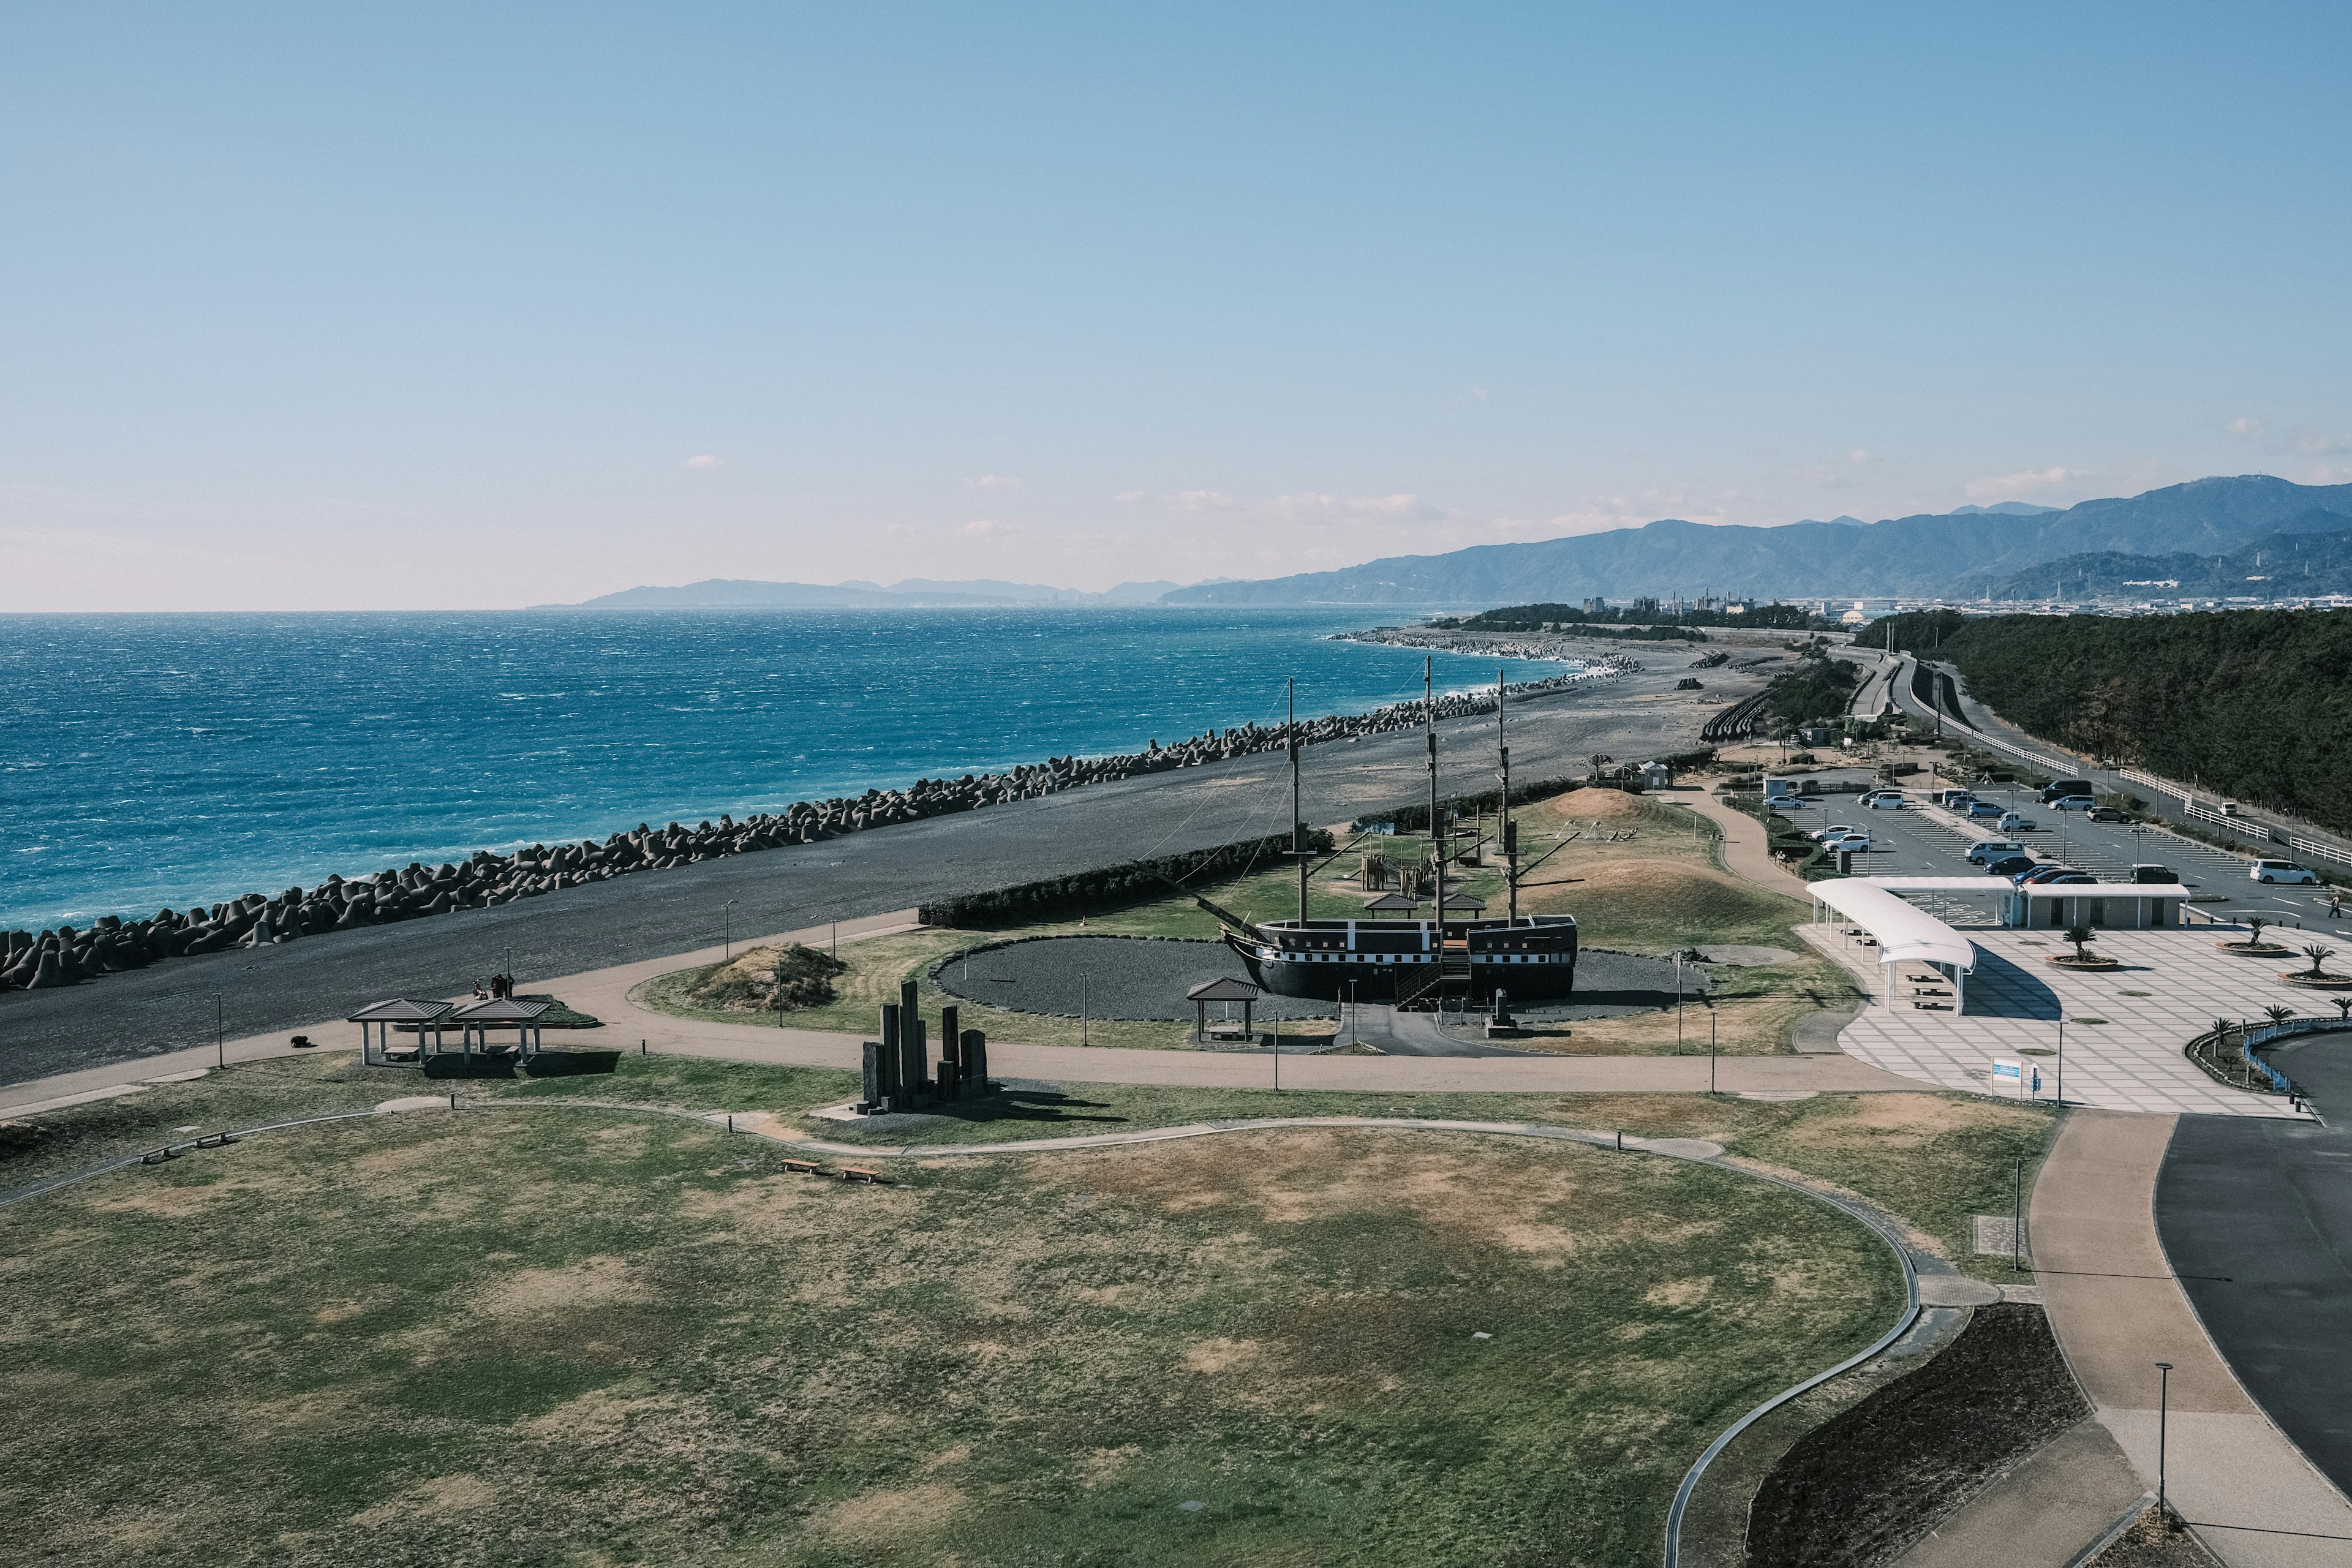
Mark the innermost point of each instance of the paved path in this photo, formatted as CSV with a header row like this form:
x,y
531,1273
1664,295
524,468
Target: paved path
x,y
2257,1219
604,993
2118,1310
2042,1513
1746,848
2133,1061
170,1005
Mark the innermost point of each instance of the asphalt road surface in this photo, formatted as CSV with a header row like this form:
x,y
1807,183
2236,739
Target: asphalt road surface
x,y
2256,1217
181,1002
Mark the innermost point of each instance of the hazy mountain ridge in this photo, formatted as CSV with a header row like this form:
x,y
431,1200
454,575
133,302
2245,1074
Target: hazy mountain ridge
x,y
737,593
2311,558
1921,555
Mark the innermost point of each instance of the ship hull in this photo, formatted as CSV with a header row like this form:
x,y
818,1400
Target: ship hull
x,y
1327,962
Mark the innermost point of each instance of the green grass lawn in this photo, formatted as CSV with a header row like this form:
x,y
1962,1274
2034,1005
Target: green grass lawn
x,y
496,1337
1933,1159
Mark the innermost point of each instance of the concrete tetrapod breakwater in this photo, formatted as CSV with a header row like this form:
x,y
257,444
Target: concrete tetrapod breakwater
x,y
112,944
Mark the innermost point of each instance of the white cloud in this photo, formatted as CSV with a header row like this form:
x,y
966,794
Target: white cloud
x,y
981,528
2301,441
1310,505
1860,458
993,482
702,460
1131,497
1203,500
2031,482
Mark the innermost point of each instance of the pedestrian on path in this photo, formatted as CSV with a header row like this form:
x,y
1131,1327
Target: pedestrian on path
x,y
2037,1083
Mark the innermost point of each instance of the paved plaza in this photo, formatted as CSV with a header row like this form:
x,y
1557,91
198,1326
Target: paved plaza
x,y
2173,983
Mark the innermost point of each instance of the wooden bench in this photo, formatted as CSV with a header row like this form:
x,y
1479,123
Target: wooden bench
x,y
802,1167
860,1174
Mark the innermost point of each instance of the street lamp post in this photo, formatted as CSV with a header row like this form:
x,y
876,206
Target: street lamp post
x,y
1678,1002
2062,1061
220,1030
1085,1005
1710,1045
2016,1220
2163,1415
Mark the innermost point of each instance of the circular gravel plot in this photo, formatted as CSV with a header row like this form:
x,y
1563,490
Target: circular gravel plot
x,y
1124,977
1616,985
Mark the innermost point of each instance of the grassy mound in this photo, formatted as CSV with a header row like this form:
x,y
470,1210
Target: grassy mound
x,y
1584,805
768,980
1657,905
508,1337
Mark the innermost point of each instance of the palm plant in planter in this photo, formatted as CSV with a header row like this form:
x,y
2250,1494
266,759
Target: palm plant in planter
x,y
2080,935
2319,953
2254,925
2277,1014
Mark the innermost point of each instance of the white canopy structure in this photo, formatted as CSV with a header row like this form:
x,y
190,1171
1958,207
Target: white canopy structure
x,y
1905,933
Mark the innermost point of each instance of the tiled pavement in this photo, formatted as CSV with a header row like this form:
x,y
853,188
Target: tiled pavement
x,y
2171,987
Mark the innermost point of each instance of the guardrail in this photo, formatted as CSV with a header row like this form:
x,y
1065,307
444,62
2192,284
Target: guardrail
x,y
2149,780
2240,825
2204,1050
2314,849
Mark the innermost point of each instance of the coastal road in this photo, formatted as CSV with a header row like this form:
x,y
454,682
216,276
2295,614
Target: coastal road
x,y
180,1002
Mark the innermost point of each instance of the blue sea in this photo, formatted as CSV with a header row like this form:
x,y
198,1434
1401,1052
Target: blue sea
x,y
169,760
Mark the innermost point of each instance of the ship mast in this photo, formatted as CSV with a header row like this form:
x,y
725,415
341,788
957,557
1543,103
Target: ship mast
x,y
1298,823
1436,829
1510,841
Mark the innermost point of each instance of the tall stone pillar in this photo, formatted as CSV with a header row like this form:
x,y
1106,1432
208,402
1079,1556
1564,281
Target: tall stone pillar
x,y
893,1095
975,1064
872,1102
913,1059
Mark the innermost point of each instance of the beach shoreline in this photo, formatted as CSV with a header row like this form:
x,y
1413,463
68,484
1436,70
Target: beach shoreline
x,y
245,992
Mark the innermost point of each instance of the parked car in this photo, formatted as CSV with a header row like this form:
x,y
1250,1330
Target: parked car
x,y
2074,803
2109,813
2058,789
2043,871
1880,799
2012,866
2281,871
2145,873
2064,878
2013,822
1847,844
1952,799
1987,808
1822,835
1985,851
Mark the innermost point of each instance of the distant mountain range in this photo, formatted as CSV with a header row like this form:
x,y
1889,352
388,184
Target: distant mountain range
x,y
1912,556
915,592
2288,563
2206,531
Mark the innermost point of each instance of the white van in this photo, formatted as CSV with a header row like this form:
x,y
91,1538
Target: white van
x,y
1985,851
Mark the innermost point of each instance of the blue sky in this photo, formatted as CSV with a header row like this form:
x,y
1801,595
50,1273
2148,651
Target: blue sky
x,y
423,306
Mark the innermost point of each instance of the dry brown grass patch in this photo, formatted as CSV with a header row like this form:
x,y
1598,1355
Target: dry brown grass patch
x,y
591,1282
876,1518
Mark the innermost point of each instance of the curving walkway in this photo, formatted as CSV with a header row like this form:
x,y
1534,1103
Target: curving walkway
x,y
2118,1309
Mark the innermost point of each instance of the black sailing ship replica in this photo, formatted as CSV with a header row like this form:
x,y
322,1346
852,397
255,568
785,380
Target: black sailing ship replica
x,y
1427,964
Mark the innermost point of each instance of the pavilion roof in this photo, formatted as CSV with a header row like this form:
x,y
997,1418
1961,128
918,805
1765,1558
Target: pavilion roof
x,y
1392,902
399,1010
499,1010
1224,988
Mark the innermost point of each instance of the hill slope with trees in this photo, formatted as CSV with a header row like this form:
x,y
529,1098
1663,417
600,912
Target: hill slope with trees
x,y
2253,704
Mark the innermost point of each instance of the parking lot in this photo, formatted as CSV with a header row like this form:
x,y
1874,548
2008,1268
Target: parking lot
x,y
1912,843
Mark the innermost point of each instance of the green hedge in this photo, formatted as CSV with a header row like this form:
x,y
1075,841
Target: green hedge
x,y
1112,886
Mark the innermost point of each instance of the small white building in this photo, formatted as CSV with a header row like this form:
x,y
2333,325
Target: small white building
x,y
1656,776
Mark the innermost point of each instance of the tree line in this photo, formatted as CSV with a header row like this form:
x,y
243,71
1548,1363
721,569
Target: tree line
x,y
2251,704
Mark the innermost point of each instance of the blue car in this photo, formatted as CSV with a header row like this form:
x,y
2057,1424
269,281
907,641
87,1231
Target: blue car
x,y
1987,808
2013,866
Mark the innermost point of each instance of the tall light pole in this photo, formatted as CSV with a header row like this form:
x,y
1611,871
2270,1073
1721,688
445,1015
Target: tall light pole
x,y
220,1030
2061,1059
2163,1415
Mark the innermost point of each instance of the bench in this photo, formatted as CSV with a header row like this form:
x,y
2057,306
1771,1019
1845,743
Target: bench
x,y
801,1168
860,1174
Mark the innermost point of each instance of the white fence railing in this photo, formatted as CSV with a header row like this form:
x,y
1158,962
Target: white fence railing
x,y
2314,849
2149,780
